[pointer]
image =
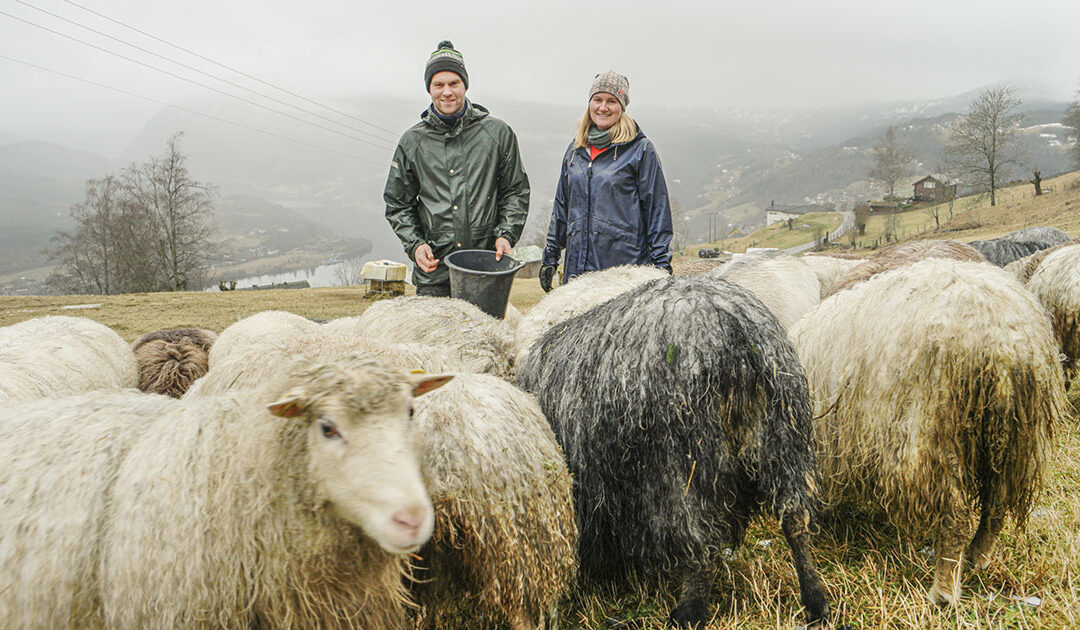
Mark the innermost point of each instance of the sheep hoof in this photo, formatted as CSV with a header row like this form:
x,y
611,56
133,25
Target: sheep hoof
x,y
690,614
941,597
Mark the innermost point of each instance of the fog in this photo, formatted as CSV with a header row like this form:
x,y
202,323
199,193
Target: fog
x,y
694,55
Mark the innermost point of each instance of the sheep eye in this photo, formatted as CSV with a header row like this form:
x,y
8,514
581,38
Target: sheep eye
x,y
329,429
410,412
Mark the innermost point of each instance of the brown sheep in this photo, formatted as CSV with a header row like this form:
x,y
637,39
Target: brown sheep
x,y
171,360
902,254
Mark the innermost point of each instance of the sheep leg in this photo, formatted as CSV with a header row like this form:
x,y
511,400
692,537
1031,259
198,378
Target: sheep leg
x,y
990,524
693,607
951,536
812,592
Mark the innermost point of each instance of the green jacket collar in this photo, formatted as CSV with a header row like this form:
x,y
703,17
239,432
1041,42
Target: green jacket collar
x,y
473,113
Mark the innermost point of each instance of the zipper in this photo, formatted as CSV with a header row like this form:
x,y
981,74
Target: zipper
x,y
588,222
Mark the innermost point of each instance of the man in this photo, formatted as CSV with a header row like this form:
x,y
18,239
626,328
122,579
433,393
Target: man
x,y
456,180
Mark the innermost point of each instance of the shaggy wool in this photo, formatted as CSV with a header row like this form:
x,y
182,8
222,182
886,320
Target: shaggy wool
x,y
936,389
683,411
900,254
171,360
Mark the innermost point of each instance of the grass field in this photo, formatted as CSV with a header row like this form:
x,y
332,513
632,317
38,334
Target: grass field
x,y
876,577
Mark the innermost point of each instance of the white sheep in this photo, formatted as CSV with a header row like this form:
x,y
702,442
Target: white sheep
x,y
504,549
829,269
1056,283
53,356
576,297
149,512
257,330
785,284
482,342
935,388
320,344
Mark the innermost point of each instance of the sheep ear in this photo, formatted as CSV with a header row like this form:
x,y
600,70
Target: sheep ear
x,y
290,406
424,383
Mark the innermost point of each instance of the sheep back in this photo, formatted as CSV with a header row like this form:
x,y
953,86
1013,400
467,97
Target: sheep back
x,y
576,297
900,254
482,342
55,356
934,385
782,282
505,541
247,337
1057,285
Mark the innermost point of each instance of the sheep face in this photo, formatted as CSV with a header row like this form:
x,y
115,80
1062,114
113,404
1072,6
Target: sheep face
x,y
362,455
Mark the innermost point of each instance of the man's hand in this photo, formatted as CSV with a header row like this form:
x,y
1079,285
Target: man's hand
x,y
547,273
425,259
502,246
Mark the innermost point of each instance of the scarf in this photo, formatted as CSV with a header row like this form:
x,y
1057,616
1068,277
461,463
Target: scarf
x,y
599,139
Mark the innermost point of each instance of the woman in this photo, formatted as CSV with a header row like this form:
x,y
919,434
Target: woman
x,y
611,203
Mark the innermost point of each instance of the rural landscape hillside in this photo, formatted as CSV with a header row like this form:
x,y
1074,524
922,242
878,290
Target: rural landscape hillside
x,y
723,168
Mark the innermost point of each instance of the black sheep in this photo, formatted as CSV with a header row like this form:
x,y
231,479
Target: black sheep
x,y
683,411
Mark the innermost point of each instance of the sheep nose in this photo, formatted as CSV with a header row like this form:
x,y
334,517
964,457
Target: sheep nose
x,y
411,518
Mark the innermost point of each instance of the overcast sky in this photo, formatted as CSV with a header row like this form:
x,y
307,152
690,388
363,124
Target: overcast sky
x,y
787,53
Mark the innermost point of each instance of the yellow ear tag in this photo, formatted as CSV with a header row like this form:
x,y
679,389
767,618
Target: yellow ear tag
x,y
418,371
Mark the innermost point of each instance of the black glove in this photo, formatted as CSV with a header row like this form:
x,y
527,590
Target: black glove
x,y
547,274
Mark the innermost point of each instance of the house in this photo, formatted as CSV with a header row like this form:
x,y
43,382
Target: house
x,y
777,212
935,189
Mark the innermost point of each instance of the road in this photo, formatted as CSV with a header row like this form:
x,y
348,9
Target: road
x,y
847,223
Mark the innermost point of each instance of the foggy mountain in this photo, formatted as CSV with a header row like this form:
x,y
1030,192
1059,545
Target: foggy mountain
x,y
728,162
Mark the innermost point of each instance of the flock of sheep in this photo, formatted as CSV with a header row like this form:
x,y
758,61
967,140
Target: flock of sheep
x,y
425,464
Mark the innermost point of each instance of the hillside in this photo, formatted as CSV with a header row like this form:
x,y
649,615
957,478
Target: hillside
x,y
973,218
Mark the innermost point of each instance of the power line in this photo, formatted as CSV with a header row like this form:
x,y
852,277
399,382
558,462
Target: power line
x,y
190,111
231,69
202,72
192,81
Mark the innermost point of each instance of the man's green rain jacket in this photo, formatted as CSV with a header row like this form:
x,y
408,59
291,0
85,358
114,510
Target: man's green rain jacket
x,y
456,187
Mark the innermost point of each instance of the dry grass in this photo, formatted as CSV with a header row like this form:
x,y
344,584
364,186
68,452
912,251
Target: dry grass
x,y
135,314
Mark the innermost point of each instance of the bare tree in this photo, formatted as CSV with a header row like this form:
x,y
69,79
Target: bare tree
x,y
1072,119
87,257
985,142
892,161
180,210
146,230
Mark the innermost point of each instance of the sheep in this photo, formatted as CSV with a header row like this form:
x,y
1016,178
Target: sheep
x,y
1001,252
828,269
683,411
214,513
695,267
1042,236
1025,267
482,342
171,360
782,282
935,390
322,344
235,340
1019,244
505,540
513,316
901,254
576,297
55,356
1057,285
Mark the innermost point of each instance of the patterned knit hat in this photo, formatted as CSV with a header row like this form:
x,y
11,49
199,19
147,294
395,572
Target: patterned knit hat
x,y
613,83
445,58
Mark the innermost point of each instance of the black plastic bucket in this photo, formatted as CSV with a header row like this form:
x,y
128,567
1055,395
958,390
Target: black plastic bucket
x,y
476,277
